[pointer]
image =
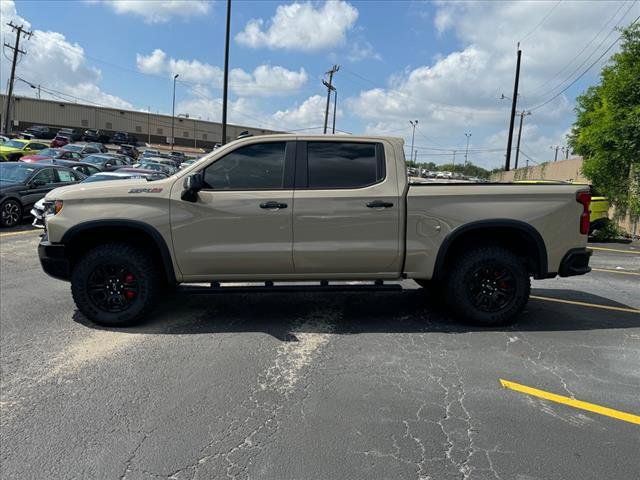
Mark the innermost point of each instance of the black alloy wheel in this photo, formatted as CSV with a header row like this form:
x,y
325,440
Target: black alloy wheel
x,y
10,213
112,287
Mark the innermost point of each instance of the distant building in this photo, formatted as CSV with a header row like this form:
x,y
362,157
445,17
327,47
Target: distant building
x,y
147,127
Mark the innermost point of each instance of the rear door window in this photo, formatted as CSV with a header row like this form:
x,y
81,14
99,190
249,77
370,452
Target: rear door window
x,y
334,165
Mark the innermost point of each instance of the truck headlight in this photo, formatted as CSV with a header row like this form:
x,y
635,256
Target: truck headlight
x,y
53,208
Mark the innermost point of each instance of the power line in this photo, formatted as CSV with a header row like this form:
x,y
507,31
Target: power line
x,y
577,55
541,21
583,73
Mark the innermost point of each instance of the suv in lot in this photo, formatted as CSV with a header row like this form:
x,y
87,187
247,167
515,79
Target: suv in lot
x,y
322,208
39,131
99,136
124,137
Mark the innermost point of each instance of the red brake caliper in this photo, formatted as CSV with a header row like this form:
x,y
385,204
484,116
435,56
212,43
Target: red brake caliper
x,y
129,279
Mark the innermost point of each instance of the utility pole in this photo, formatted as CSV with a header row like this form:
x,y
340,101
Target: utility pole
x,y
173,111
16,50
335,106
514,100
149,125
225,85
454,161
566,151
195,138
330,87
556,147
522,114
466,152
413,135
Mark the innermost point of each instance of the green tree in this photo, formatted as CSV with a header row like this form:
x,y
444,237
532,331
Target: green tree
x,y
607,127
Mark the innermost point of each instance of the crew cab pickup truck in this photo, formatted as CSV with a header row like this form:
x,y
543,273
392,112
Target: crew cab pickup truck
x,y
283,208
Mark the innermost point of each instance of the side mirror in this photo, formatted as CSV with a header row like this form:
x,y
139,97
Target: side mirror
x,y
192,185
108,165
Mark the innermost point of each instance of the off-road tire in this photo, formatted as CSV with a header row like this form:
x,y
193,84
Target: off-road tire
x,y
463,279
12,218
137,262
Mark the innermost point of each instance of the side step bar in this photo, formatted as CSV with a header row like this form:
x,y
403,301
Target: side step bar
x,y
268,286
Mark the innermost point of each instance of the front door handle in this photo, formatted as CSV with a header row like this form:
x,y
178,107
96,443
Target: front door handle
x,y
379,204
273,205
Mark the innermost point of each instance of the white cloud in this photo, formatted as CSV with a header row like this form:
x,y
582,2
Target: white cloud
x,y
160,11
301,26
264,81
362,50
309,113
460,91
53,62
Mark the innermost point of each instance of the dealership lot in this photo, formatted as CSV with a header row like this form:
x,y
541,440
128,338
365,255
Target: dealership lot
x,y
320,385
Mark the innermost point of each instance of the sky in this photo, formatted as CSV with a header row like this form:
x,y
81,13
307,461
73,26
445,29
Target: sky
x,y
444,64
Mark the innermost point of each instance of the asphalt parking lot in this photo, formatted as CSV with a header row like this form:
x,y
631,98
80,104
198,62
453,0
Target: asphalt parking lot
x,y
321,385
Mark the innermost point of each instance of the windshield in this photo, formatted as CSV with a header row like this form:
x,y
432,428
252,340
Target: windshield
x,y
15,172
94,159
73,148
14,144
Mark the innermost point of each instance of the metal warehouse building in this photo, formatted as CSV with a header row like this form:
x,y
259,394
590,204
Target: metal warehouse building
x,y
147,127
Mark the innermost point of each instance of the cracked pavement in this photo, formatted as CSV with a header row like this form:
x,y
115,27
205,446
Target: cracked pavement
x,y
363,385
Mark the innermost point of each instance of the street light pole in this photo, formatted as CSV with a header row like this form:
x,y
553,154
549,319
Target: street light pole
x,y
466,152
225,84
335,106
413,134
522,115
173,111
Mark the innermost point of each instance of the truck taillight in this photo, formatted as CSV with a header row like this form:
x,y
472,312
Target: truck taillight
x,y
584,198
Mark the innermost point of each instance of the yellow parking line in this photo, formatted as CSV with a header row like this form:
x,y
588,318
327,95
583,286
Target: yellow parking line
x,y
22,232
614,271
572,402
584,304
637,252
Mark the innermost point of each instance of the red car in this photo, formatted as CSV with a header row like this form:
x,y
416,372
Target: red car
x,y
49,153
60,141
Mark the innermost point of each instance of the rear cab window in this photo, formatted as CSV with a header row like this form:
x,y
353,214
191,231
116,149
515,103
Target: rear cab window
x,y
341,165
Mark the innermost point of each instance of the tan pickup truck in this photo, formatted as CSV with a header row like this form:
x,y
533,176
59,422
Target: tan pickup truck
x,y
285,208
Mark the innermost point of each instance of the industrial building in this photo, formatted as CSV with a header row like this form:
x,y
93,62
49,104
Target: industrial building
x,y
152,128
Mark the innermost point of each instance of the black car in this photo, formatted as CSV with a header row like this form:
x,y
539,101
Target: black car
x,y
23,184
128,150
124,137
99,136
106,163
39,131
72,133
84,168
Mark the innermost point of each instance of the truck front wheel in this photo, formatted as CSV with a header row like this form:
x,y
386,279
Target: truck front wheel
x,y
488,286
115,284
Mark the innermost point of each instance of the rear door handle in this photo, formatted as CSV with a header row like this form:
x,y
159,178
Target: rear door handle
x,y
379,204
273,205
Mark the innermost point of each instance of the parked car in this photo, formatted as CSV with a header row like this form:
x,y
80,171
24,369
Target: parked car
x,y
84,168
13,150
101,148
124,137
38,131
23,184
3,139
186,163
99,136
126,159
83,149
156,164
49,153
355,217
60,141
71,133
105,162
125,174
151,153
178,156
129,151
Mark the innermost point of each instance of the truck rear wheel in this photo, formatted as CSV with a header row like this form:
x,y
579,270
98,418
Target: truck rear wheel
x,y
115,285
488,286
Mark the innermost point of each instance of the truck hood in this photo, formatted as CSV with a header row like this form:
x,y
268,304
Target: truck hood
x,y
112,188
